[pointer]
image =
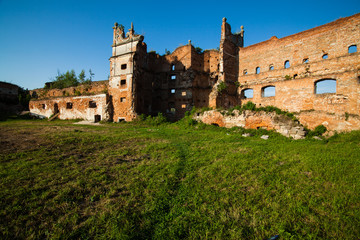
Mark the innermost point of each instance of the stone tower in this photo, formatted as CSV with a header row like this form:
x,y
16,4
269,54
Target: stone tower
x,y
228,67
122,85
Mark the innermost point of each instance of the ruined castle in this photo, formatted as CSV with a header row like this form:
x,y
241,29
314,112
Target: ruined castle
x,y
315,74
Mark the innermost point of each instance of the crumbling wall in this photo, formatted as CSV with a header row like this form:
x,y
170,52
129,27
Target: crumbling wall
x,y
228,69
254,120
122,82
333,122
79,107
295,85
97,87
181,80
142,82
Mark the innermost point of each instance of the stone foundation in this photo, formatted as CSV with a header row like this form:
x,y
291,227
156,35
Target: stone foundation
x,y
254,120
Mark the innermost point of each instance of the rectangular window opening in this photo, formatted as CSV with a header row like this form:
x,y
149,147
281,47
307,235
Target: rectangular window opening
x,y
123,99
183,93
97,118
123,66
123,82
69,105
92,104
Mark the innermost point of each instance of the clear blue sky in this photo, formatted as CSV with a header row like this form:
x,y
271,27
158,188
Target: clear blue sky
x,y
40,37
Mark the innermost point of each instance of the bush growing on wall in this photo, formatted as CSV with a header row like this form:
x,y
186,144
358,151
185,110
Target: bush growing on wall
x,y
318,131
69,79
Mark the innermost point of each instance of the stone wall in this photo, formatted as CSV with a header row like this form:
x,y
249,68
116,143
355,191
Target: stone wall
x,y
295,86
144,82
254,120
96,87
91,108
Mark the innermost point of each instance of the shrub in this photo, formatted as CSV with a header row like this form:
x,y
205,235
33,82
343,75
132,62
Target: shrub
x,y
249,106
155,121
221,87
198,50
287,77
318,131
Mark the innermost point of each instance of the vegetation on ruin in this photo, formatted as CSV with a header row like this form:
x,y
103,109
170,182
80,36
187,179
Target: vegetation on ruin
x,y
221,87
252,107
69,79
181,180
199,50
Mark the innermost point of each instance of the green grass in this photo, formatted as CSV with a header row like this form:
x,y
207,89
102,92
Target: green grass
x,y
174,181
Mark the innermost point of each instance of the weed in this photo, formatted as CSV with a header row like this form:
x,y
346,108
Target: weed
x,y
287,77
221,87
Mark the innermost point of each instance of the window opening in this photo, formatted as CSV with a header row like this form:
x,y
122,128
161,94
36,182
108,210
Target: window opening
x,y
183,105
268,91
123,82
352,49
123,99
287,64
123,66
97,118
43,106
257,70
325,86
56,108
245,72
173,77
92,104
172,91
183,93
271,67
325,56
69,105
172,107
306,60
173,67
247,93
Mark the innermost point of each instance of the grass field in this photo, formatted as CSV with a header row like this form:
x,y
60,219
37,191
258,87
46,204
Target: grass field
x,y
174,181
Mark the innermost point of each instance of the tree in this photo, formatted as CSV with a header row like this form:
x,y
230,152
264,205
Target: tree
x,y
64,80
69,79
24,98
91,75
82,76
199,50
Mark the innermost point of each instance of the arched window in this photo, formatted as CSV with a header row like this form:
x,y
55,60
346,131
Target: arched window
x,y
352,49
305,60
287,64
268,91
247,93
325,56
325,86
271,67
245,71
257,70
172,67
